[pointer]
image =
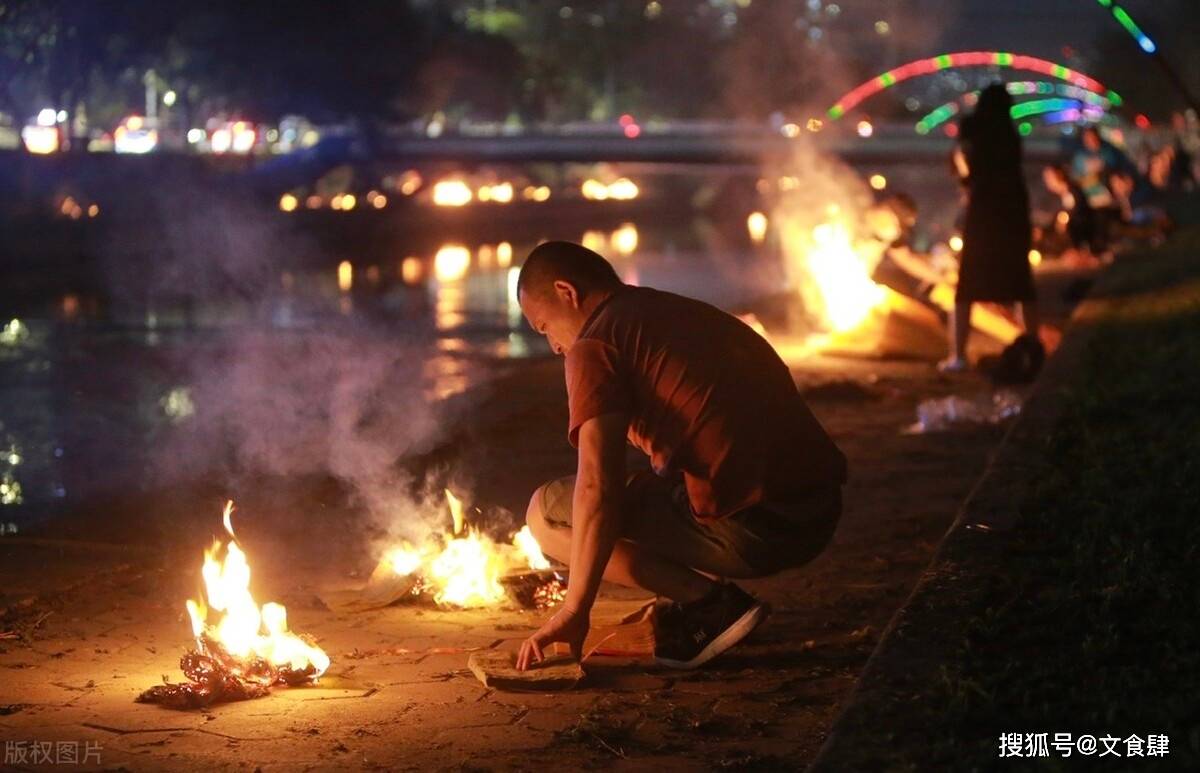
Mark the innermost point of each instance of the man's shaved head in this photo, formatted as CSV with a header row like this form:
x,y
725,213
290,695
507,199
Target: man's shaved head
x,y
568,262
559,286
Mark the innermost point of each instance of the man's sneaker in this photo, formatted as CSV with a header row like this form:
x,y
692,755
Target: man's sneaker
x,y
690,635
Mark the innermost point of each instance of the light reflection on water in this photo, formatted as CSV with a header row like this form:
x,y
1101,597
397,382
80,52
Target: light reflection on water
x,y
450,307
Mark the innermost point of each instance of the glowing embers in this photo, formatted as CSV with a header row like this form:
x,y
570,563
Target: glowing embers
x,y
242,650
466,568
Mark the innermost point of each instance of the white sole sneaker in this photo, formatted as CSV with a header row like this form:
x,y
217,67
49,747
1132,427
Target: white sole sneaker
x,y
740,629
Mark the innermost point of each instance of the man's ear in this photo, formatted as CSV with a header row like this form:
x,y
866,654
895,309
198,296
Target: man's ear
x,y
567,292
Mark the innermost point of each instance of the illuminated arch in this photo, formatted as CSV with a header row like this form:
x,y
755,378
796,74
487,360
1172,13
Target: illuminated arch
x,y
1088,101
962,59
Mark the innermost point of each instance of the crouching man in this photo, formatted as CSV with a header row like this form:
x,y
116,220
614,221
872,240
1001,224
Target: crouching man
x,y
748,483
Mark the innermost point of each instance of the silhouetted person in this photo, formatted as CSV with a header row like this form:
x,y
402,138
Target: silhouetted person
x,y
1081,221
997,233
1091,165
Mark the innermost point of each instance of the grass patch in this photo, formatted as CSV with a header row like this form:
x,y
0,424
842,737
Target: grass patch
x,y
1094,625
1085,619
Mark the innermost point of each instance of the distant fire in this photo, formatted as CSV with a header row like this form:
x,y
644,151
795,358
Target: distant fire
x,y
468,569
241,649
841,277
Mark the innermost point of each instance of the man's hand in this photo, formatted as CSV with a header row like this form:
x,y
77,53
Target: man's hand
x,y
565,626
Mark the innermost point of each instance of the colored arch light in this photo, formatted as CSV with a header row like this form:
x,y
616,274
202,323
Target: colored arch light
x,y
964,59
1094,102
1129,25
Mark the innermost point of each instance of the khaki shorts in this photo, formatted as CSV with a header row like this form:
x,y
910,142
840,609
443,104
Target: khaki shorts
x,y
755,542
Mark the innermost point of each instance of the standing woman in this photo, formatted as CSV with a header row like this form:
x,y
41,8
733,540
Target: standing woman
x,y
997,233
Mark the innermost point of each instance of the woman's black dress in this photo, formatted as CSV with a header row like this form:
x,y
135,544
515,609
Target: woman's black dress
x,y
997,233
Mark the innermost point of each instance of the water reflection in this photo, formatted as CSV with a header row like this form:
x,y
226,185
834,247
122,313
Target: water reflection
x,y
448,304
451,262
14,333
625,239
10,487
513,303
594,241
411,270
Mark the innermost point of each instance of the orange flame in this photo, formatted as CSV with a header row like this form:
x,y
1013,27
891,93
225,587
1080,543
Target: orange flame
x,y
242,628
463,568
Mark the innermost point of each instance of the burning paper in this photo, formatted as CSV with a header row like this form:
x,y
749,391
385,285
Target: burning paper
x,y
468,569
241,649
821,216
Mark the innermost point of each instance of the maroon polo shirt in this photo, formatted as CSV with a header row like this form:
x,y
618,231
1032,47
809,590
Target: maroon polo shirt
x,y
705,396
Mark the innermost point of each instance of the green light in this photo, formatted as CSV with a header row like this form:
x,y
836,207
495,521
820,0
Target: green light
x,y
943,61
1025,128
1115,98
943,113
887,79
836,112
1037,106
1126,22
1004,59
922,127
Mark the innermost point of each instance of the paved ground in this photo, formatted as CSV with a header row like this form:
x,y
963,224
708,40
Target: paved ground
x,y
98,626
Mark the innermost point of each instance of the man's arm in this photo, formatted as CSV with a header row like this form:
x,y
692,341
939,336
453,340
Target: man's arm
x,y
595,527
596,508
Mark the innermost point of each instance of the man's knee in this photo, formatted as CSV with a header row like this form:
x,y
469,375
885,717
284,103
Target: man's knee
x,y
534,517
550,507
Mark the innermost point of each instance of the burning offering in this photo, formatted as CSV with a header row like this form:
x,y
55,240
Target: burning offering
x,y
462,568
242,650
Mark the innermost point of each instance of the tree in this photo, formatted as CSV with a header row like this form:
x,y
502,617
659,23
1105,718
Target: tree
x,y
53,52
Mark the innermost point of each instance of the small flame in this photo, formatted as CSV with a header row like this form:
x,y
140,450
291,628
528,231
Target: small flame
x,y
463,568
404,560
528,545
455,511
467,573
240,628
226,519
840,287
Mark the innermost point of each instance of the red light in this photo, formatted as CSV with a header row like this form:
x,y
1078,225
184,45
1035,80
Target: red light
x,y
632,130
626,119
1142,121
951,130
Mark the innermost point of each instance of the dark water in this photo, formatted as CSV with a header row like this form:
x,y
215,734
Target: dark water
x,y
333,366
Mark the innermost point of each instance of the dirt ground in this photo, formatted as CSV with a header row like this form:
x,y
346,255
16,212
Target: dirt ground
x,y
94,625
